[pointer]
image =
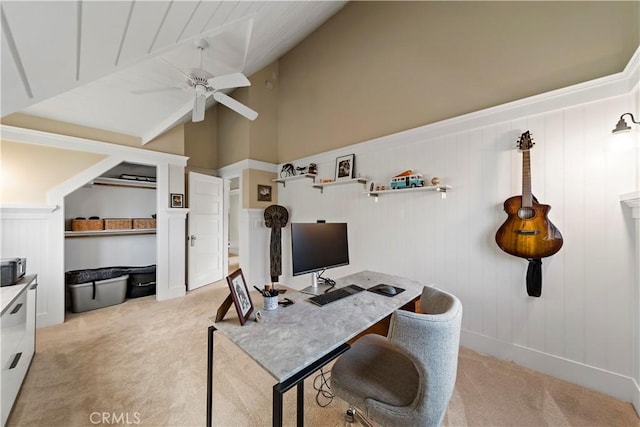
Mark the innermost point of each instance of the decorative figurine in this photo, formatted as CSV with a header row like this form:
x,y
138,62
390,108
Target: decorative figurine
x,y
312,169
275,218
287,170
435,180
407,179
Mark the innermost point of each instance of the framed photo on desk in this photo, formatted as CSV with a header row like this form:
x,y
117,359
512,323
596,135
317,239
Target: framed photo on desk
x,y
240,295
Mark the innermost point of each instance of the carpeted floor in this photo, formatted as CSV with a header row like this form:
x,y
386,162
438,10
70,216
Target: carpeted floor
x,y
143,362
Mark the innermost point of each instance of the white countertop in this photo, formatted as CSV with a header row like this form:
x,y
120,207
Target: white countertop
x,y
8,294
290,338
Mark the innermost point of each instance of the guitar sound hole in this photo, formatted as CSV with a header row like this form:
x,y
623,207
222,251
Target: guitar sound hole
x,y
526,213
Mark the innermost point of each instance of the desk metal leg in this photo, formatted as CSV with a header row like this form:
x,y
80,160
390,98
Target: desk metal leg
x,y
277,406
297,380
211,330
300,405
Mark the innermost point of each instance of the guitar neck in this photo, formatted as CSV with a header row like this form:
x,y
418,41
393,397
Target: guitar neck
x,y
527,198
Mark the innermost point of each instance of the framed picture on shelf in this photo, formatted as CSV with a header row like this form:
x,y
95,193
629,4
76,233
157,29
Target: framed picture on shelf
x,y
345,167
240,295
177,200
264,193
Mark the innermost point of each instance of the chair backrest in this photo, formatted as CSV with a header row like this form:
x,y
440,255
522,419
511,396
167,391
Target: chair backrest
x,y
431,339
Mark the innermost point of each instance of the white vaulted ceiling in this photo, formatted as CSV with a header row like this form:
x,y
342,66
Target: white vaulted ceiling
x,y
79,61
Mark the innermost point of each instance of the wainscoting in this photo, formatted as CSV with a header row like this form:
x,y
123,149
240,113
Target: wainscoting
x,y
581,329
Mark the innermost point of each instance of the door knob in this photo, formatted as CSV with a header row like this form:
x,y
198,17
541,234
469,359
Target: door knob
x,y
193,240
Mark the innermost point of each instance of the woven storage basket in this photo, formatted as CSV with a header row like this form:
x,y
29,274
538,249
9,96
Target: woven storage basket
x,y
144,223
87,224
117,223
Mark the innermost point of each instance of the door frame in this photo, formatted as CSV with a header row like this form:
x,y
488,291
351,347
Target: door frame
x,y
227,201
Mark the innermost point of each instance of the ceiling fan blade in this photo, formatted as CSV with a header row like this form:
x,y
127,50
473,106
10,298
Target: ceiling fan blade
x,y
229,81
176,68
235,105
199,105
156,90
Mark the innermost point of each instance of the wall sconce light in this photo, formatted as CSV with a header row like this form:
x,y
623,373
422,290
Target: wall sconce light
x,y
622,125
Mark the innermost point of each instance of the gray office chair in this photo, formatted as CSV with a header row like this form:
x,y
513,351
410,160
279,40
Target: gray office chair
x,y
406,378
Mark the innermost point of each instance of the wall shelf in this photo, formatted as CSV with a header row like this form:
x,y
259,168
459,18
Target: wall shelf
x,y
123,182
632,201
321,185
442,189
284,181
108,233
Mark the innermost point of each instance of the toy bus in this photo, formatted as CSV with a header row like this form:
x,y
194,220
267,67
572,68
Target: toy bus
x,y
407,181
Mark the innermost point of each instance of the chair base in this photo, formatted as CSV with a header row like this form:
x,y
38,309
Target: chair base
x,y
352,415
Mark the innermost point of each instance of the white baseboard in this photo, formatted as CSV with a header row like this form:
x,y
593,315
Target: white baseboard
x,y
611,383
47,319
171,293
636,398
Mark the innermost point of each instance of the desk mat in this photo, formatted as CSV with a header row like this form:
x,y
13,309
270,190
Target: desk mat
x,y
376,290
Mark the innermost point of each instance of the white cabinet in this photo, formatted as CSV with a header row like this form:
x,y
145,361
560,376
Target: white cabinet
x,y
18,323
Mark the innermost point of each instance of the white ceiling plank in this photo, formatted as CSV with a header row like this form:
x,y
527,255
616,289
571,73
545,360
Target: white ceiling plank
x,y
280,32
244,9
178,17
167,123
49,62
205,11
103,24
11,84
108,104
221,14
271,21
227,51
145,21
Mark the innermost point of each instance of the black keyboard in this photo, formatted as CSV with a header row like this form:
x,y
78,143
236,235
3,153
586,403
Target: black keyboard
x,y
332,296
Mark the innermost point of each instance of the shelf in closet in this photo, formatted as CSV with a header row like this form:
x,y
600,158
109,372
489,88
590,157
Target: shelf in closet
x,y
284,181
108,233
321,185
123,182
439,188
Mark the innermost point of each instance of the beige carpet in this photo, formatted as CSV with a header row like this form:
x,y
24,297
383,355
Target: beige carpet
x,y
144,362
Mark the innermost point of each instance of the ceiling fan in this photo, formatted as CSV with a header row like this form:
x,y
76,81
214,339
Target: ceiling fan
x,y
205,84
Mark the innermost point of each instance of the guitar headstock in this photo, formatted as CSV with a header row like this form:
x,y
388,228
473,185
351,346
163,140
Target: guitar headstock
x,y
525,143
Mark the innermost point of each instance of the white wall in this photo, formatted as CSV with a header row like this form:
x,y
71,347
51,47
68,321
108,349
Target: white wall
x,y
234,213
581,328
254,247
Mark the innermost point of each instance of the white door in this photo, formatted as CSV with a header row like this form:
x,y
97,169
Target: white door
x,y
206,239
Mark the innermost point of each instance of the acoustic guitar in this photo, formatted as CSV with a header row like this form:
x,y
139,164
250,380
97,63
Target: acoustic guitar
x,y
527,232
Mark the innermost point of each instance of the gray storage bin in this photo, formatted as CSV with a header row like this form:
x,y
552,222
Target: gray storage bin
x,y
98,294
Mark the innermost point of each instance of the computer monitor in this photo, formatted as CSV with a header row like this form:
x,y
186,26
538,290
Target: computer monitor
x,y
316,247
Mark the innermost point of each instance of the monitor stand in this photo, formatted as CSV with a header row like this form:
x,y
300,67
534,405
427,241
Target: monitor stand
x,y
316,288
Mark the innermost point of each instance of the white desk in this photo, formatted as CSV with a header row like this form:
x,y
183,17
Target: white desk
x,y
292,342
